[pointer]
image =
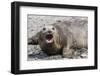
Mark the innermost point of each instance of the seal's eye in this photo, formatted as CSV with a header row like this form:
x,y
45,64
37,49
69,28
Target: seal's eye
x,y
44,29
53,28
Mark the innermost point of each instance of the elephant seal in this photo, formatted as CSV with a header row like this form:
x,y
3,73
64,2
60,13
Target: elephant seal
x,y
61,37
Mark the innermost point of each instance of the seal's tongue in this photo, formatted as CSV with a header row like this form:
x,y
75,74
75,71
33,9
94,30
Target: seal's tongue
x,y
49,38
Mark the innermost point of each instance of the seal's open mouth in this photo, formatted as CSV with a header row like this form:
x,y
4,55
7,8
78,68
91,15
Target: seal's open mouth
x,y
49,38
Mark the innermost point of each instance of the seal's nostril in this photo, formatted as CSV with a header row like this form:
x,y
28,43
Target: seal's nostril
x,y
49,31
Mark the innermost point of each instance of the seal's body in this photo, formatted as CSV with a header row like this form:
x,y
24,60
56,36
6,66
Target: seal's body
x,y
62,37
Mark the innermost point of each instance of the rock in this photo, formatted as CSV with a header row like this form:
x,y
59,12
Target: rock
x,y
80,53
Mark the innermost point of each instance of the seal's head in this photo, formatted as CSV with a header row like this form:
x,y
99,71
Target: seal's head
x,y
49,40
48,33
